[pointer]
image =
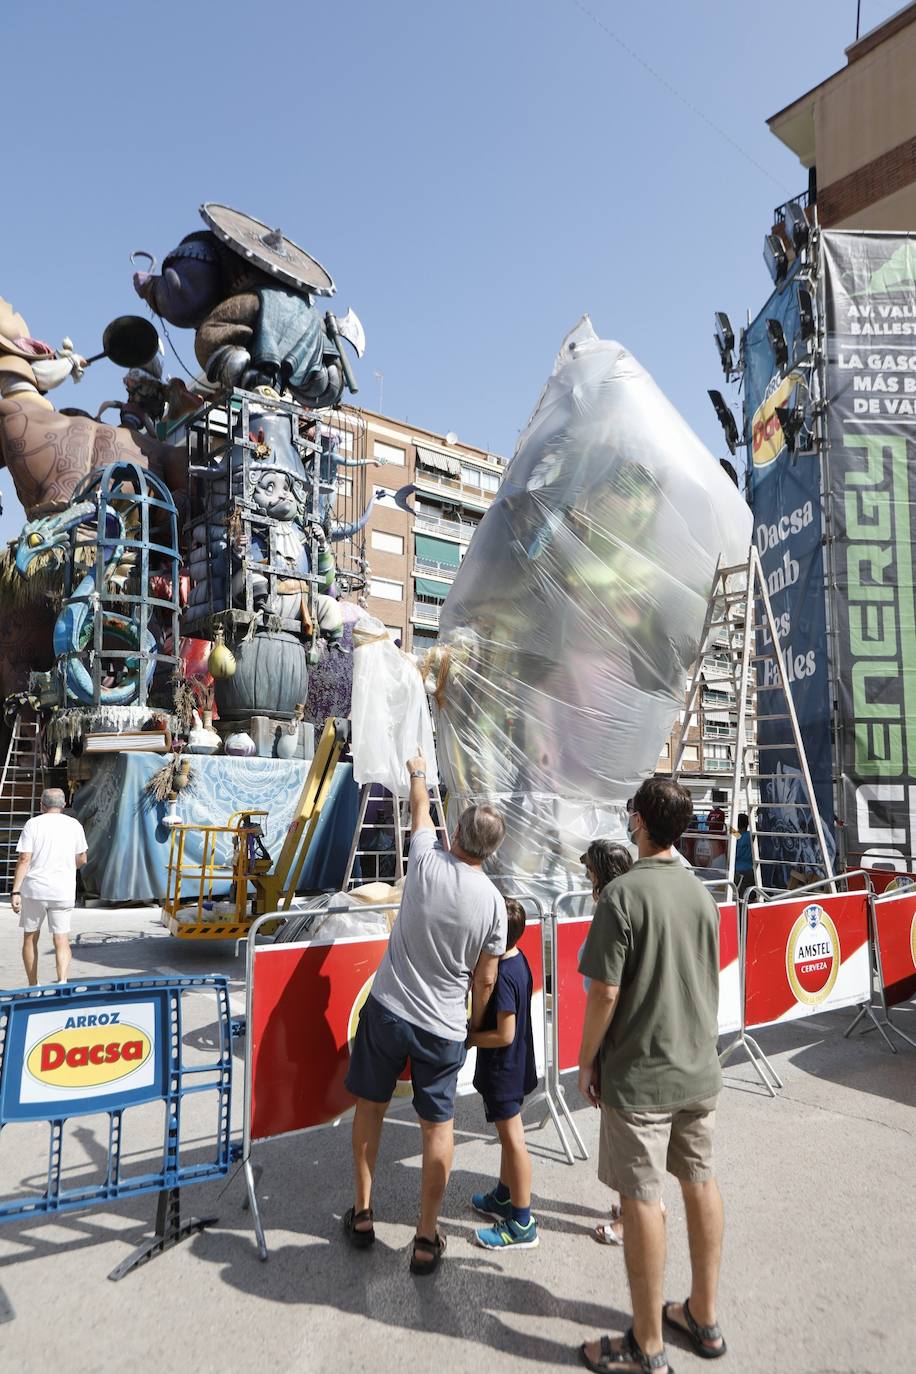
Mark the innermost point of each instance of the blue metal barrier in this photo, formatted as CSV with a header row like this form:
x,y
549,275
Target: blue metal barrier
x,y
109,1045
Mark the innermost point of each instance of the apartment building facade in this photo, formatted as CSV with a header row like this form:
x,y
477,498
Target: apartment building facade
x,y
415,544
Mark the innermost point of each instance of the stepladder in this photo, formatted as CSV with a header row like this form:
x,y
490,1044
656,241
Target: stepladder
x,y
21,784
381,836
740,690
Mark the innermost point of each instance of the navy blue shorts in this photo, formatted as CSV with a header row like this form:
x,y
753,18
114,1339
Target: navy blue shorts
x,y
384,1043
499,1109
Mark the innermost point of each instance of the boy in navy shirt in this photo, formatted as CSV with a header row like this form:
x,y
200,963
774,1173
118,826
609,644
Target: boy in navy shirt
x,y
505,1073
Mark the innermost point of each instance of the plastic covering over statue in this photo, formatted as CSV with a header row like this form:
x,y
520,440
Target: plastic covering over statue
x,y
577,612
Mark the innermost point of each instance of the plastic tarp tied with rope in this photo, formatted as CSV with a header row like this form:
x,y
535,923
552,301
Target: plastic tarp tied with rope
x,y
576,614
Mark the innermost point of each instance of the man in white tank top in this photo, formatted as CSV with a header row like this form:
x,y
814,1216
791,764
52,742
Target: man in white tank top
x,y
51,848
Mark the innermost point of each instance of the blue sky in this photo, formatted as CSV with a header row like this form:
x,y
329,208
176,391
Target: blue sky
x,y
475,175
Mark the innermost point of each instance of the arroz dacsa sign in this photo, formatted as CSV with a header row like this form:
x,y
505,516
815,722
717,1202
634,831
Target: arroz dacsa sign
x,y
82,1055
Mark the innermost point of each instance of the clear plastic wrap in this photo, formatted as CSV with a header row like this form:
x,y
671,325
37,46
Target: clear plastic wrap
x,y
389,714
574,618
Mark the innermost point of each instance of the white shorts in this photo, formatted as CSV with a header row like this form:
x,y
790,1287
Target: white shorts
x,y
34,911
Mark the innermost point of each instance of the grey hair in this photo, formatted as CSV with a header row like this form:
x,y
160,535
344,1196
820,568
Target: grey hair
x,y
481,830
52,798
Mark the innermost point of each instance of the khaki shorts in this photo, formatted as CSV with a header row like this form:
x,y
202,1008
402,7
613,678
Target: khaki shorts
x,y
637,1149
33,912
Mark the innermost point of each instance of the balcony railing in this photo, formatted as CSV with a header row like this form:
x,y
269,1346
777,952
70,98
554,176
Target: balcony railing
x,y
428,565
426,612
458,529
719,765
436,479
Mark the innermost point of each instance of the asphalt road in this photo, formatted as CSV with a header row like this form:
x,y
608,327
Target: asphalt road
x,y
819,1187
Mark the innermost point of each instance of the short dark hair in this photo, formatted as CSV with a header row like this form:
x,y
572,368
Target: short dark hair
x,y
743,820
607,860
515,925
481,830
665,808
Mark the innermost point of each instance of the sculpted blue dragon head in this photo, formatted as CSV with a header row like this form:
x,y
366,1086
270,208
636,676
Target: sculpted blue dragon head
x,y
50,535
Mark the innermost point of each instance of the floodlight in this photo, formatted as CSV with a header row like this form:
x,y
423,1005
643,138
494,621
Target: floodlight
x,y
805,313
725,342
729,469
778,343
797,225
726,419
791,420
775,257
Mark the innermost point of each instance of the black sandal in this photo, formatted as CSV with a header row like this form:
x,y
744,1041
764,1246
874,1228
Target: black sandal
x,y
694,1332
427,1266
360,1240
630,1352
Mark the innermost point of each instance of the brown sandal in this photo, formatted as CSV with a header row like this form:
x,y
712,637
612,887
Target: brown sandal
x,y
427,1266
360,1240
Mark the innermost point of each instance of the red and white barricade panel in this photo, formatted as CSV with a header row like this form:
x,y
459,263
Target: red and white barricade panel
x,y
571,994
306,1002
729,969
806,955
895,922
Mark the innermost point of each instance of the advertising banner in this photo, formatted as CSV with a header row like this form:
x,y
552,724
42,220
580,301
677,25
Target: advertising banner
x,y
805,956
571,990
307,999
87,1054
785,498
895,921
869,300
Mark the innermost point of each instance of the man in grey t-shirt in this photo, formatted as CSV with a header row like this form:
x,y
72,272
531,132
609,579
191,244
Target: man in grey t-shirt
x,y
449,934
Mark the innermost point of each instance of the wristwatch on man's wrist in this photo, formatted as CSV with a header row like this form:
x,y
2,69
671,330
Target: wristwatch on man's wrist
x,y
418,773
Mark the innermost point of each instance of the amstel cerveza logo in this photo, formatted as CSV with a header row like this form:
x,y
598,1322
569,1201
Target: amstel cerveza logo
x,y
88,1057
813,956
767,438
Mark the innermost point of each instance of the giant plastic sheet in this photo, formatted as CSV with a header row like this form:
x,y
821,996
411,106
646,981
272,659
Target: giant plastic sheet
x,y
577,612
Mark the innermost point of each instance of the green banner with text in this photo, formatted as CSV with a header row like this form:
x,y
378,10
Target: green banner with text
x,y
869,297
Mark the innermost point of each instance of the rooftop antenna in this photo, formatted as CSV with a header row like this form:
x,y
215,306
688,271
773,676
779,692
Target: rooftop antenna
x,y
858,17
380,378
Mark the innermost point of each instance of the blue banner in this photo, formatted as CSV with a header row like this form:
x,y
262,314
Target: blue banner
x,y
785,498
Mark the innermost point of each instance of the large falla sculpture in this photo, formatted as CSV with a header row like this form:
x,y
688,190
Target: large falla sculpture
x,y
210,511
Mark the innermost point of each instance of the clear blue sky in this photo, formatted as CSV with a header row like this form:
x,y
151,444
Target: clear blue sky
x,y
474,175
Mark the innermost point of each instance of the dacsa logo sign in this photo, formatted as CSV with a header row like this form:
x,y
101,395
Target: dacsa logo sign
x,y
84,1056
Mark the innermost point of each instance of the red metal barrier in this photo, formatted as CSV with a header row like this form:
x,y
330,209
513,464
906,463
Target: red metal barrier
x,y
895,924
306,1001
806,955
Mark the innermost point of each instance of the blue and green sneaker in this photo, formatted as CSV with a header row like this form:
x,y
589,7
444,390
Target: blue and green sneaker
x,y
489,1205
509,1235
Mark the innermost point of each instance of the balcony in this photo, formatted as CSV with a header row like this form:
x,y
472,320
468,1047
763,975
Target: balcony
x,y
459,491
719,765
426,612
426,567
455,529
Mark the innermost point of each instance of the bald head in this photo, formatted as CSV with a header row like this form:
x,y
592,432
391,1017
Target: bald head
x,y
53,799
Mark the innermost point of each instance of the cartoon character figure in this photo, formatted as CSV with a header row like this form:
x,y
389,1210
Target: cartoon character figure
x,y
275,496
248,293
28,367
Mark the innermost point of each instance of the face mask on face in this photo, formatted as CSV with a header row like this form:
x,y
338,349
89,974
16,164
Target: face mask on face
x,y
631,829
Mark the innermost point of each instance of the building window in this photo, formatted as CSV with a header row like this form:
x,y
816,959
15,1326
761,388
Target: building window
x,y
470,476
691,754
389,453
344,441
345,485
385,589
489,481
396,632
387,543
384,496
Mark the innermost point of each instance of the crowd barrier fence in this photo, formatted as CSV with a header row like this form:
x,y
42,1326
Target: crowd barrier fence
x,y
110,1046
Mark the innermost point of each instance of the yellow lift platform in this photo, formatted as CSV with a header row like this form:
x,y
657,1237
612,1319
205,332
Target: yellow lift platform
x,y
192,912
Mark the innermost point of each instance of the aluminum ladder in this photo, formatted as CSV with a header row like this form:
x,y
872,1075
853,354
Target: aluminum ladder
x,y
21,785
741,629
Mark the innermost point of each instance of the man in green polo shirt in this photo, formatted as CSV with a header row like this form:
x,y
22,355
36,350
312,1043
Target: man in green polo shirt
x,y
648,1059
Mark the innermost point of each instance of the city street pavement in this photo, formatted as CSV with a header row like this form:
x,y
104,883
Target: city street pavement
x,y
819,1187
